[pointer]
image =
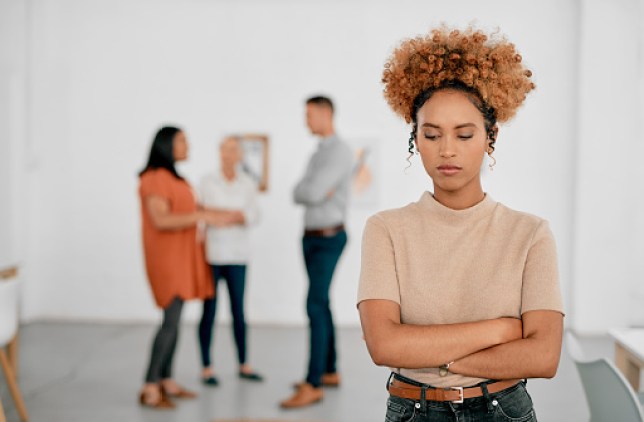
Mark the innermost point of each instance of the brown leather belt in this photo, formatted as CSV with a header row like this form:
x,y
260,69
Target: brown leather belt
x,y
454,394
325,232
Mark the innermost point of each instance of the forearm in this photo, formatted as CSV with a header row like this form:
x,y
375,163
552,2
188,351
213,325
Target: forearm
x,y
524,358
536,355
315,189
221,217
305,193
216,211
417,346
175,221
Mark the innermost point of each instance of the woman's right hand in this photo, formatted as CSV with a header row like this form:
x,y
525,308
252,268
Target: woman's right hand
x,y
213,218
220,218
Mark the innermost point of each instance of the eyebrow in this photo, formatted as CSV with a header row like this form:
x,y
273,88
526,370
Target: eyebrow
x,y
456,127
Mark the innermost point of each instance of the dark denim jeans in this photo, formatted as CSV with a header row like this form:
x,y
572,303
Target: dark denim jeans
x,y
321,255
235,277
510,405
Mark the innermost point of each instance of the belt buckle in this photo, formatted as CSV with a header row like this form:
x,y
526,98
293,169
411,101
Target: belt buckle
x,y
460,391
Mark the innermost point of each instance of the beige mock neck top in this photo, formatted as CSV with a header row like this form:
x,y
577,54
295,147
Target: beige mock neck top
x,y
445,266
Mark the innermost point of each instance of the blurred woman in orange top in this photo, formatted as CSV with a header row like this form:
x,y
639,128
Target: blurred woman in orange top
x,y
174,258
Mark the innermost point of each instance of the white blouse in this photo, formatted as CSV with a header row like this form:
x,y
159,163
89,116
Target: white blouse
x,y
229,245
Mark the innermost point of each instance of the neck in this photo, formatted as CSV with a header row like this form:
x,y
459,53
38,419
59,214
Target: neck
x,y
229,172
330,131
461,199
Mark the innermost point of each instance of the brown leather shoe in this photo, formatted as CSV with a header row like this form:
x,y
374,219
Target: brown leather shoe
x,y
182,393
328,380
305,395
331,380
163,402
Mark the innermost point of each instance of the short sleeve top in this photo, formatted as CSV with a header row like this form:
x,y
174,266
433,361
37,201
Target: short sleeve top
x,y
174,259
445,266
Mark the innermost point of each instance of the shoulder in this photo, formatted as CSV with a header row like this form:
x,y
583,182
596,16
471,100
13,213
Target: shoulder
x,y
338,147
519,217
160,182
343,146
157,175
393,218
208,179
246,181
523,221
244,178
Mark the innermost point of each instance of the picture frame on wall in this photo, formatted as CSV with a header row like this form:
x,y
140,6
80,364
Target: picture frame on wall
x,y
255,161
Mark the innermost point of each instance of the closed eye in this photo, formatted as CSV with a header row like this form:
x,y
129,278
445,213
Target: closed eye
x,y
430,137
465,137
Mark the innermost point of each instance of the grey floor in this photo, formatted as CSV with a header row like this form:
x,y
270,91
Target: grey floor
x,y
92,372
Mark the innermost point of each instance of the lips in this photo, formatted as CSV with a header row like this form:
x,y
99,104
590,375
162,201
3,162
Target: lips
x,y
449,169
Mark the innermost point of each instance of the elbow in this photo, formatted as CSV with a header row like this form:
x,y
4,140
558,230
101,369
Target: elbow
x,y
547,373
551,374
551,363
162,225
378,358
158,224
548,367
381,354
300,195
299,198
307,200
308,197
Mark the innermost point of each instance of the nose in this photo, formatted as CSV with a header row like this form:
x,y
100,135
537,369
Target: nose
x,y
447,147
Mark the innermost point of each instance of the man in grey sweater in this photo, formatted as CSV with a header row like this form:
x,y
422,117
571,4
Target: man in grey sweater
x,y
324,192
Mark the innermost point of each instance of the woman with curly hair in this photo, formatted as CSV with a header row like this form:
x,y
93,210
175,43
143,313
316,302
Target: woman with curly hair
x,y
459,294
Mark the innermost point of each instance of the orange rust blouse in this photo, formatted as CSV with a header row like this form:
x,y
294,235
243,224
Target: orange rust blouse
x,y
174,259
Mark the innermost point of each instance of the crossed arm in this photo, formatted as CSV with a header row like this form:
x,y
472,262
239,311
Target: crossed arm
x,y
503,348
321,180
164,219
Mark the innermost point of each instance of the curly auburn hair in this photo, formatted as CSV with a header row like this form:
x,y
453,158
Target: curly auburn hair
x,y
487,69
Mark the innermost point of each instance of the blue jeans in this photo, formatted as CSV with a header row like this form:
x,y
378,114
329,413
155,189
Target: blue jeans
x,y
513,404
235,277
321,255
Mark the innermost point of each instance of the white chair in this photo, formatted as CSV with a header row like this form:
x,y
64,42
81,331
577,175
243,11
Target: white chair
x,y
609,395
8,329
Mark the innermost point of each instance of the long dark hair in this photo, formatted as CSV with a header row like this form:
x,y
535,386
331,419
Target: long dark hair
x,y
161,155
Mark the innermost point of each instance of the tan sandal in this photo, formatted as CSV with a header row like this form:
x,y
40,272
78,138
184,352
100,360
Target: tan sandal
x,y
163,403
182,393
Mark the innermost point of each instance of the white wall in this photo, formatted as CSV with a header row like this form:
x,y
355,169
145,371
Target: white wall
x,y
104,75
609,199
13,18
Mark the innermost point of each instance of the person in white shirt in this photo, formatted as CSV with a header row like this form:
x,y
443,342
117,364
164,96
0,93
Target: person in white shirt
x,y
227,250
